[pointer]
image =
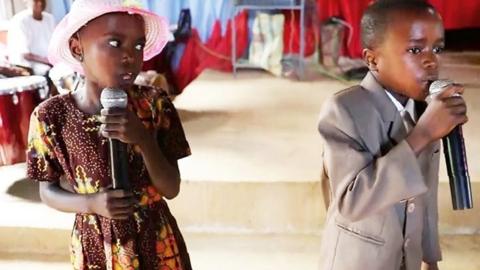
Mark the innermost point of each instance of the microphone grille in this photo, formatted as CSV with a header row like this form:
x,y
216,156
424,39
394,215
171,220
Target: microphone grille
x,y
438,85
113,98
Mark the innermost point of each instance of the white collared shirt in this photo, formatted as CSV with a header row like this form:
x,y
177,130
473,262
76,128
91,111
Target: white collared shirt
x,y
409,107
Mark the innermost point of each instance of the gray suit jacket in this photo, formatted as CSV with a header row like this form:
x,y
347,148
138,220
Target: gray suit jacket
x,y
383,198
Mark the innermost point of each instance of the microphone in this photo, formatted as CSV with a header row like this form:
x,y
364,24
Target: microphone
x,y
117,98
456,159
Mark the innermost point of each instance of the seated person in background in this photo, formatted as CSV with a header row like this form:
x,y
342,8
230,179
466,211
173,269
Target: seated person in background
x,y
29,35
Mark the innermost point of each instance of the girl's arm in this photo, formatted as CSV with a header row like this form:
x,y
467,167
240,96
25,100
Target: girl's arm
x,y
115,204
429,266
125,126
164,173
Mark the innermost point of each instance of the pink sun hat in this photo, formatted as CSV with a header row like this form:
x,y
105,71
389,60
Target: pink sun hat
x,y
83,11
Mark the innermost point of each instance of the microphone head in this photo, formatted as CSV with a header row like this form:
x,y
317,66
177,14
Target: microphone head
x,y
438,85
113,98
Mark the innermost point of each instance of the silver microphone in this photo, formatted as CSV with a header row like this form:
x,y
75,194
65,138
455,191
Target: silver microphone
x,y
113,98
117,98
456,159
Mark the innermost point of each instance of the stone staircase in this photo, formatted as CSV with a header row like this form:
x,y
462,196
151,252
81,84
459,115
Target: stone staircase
x,y
250,196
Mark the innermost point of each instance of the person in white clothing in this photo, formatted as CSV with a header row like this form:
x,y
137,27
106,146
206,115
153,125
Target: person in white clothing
x,y
29,35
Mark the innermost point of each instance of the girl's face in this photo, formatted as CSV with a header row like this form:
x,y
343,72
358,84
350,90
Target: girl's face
x,y
112,49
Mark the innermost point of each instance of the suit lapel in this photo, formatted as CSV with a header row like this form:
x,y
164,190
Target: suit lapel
x,y
392,121
397,130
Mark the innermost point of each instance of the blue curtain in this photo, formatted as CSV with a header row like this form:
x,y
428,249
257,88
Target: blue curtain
x,y
204,14
58,8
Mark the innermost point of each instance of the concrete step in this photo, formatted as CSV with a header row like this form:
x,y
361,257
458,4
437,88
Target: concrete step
x,y
224,207
227,207
281,207
253,207
239,252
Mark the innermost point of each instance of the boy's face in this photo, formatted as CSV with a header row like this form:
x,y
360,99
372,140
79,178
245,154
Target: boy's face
x,y
407,60
112,48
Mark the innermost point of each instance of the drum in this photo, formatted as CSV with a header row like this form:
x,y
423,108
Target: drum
x,y
18,97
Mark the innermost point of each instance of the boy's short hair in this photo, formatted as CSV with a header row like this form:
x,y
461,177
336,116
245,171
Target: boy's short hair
x,y
376,18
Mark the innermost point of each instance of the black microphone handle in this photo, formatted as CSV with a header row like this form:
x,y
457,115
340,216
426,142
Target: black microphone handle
x,y
119,164
457,168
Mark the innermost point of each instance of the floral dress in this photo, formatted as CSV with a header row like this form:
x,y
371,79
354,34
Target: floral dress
x,y
65,142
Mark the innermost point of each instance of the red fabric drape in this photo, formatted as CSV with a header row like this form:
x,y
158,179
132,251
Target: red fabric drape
x,y
291,33
458,14
351,12
215,53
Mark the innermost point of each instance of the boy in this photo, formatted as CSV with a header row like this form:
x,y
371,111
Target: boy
x,y
381,150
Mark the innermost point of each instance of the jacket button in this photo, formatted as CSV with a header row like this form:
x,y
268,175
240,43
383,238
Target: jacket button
x,y
407,241
411,207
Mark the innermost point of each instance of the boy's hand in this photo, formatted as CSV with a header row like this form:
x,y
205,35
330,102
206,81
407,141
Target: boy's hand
x,y
123,125
114,204
446,111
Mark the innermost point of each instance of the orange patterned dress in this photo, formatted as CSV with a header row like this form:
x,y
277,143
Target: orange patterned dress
x,y
65,142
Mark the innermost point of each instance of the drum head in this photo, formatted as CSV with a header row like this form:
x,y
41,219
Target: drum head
x,y
23,83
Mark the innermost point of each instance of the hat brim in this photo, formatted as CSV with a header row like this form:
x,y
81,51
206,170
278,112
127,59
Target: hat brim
x,y
156,34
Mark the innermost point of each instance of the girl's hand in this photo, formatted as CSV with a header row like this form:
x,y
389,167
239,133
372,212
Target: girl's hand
x,y
123,125
429,266
113,204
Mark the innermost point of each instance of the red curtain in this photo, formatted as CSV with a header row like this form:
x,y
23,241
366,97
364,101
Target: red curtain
x,y
351,12
215,53
291,33
459,14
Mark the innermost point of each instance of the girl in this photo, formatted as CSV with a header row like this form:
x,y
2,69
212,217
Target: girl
x,y
107,41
